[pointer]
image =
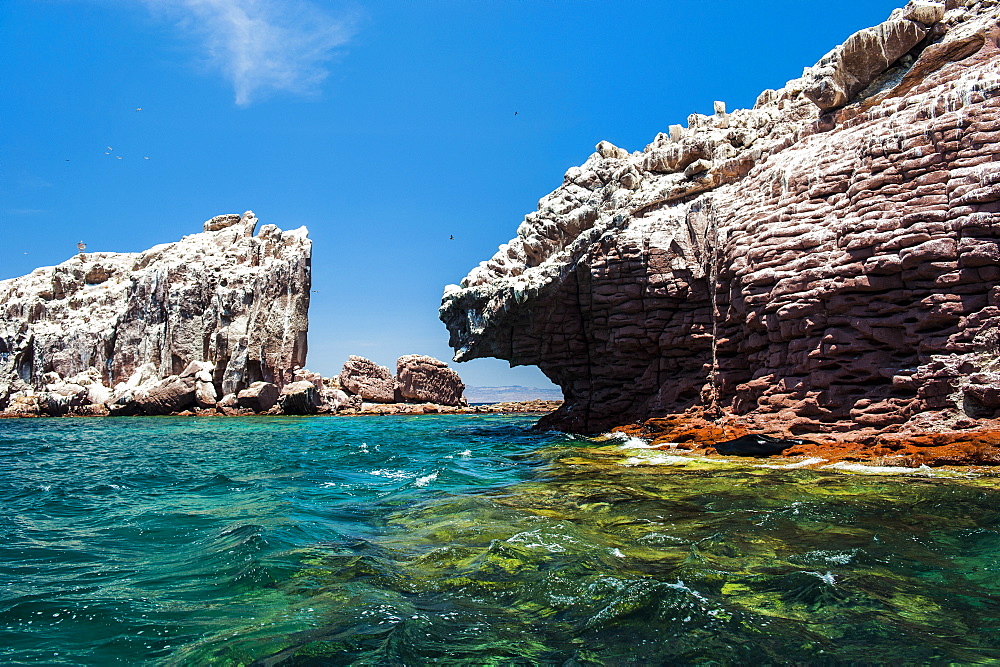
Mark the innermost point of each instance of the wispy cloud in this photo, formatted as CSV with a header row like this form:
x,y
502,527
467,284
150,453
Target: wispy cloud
x,y
263,46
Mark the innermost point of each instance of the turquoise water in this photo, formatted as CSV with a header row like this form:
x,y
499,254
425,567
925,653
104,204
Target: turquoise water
x,y
469,539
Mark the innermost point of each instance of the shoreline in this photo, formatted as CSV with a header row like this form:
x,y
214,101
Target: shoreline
x,y
538,406
695,436
975,446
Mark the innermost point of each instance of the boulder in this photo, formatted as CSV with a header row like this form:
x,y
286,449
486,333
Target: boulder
x,y
299,398
924,11
229,401
205,395
24,403
363,377
172,394
334,400
316,379
425,379
220,222
259,397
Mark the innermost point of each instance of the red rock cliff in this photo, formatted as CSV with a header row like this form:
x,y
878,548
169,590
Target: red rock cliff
x,y
828,258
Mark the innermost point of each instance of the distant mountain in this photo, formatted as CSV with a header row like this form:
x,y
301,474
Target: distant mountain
x,y
512,393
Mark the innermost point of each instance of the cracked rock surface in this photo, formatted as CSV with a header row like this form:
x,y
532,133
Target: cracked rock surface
x,y
829,259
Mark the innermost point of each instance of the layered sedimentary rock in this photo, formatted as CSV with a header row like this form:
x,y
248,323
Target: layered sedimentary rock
x,y
181,323
828,259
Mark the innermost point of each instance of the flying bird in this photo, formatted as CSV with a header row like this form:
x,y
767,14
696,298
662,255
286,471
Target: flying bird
x,y
515,113
110,148
119,157
451,238
144,157
139,109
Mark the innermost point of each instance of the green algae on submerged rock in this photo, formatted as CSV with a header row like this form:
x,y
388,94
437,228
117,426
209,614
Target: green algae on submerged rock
x,y
599,562
474,540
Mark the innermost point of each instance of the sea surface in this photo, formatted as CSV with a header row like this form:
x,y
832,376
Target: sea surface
x,y
472,540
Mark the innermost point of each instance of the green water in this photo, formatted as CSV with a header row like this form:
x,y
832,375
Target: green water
x,y
472,540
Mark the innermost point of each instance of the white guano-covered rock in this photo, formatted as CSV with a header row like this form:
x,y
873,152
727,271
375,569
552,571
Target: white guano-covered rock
x,y
231,302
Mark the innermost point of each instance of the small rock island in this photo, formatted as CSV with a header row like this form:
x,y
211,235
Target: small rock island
x,y
216,323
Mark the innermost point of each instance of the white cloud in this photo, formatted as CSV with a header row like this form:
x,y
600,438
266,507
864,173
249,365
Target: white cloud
x,y
263,46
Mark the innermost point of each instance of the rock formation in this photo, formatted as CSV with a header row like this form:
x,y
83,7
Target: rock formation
x,y
419,379
826,260
363,377
172,327
427,380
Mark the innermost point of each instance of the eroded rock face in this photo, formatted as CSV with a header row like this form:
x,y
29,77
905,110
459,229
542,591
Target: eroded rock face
x,y
234,300
829,262
427,380
363,377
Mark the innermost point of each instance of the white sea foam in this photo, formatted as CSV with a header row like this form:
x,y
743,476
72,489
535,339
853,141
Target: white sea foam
x,y
847,466
467,454
827,578
426,479
391,474
637,443
680,585
537,539
789,466
835,557
665,459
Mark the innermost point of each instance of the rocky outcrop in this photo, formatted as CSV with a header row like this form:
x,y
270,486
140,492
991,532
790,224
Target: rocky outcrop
x,y
363,377
418,379
825,260
227,305
427,380
866,55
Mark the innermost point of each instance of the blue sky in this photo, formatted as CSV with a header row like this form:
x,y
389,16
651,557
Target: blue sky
x,y
385,127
